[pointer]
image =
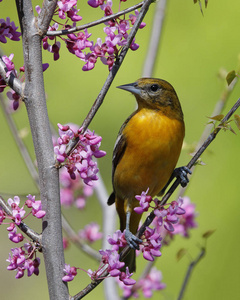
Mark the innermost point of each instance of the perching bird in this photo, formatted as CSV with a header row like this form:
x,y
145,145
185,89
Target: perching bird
x,y
146,152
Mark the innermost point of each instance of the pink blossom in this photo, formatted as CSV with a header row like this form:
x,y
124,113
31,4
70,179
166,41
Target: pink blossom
x,y
14,203
70,272
144,202
90,233
125,277
152,244
68,7
14,236
152,282
9,64
12,95
2,216
18,215
32,266
81,158
37,209
9,30
117,240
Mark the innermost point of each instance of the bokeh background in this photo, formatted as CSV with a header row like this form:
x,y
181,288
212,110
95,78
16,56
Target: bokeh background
x,y
194,48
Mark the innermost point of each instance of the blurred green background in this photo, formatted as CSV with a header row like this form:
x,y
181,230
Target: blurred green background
x,y
193,50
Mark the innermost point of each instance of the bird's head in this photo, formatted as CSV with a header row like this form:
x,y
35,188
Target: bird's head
x,y
155,94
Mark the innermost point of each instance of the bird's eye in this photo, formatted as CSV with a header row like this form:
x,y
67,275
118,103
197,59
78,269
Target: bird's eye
x,y
154,87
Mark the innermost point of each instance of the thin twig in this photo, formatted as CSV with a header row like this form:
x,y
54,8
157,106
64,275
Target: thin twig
x,y
201,149
189,272
27,230
94,23
74,237
155,39
109,224
217,110
20,145
45,16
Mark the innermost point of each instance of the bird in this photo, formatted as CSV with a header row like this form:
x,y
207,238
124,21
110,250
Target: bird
x,y
145,153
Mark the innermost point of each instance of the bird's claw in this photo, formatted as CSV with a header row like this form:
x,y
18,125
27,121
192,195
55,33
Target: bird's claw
x,y
182,173
132,240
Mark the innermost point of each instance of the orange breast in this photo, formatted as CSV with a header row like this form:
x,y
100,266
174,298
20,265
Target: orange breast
x,y
154,143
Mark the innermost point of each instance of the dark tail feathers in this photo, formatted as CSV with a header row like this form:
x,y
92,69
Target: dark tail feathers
x,y
111,199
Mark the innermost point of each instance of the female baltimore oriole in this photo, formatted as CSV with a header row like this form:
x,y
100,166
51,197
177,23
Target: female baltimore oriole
x,y
146,152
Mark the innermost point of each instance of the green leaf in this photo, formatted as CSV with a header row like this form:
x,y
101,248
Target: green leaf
x,y
237,121
216,118
181,253
230,77
208,233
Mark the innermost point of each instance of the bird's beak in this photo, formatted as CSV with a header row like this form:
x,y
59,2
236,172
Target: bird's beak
x,y
131,87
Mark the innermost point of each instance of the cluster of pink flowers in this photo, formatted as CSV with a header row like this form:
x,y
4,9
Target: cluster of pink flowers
x,y
81,158
174,225
171,219
8,29
110,262
152,282
11,94
18,213
20,259
116,35
177,217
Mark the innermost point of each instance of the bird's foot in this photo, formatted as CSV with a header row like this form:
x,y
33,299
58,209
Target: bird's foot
x,y
182,173
132,240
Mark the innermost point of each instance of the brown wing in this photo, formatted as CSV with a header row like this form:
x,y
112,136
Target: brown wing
x,y
120,146
119,149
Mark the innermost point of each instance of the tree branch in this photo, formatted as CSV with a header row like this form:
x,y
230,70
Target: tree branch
x,y
94,23
34,98
189,272
155,39
46,15
201,149
11,80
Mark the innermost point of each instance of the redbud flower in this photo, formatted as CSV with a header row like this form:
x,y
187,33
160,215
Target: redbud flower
x,y
9,30
152,282
117,240
125,277
70,272
151,247
90,233
144,202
